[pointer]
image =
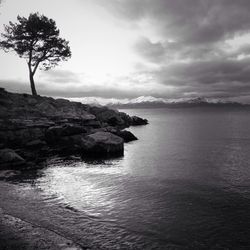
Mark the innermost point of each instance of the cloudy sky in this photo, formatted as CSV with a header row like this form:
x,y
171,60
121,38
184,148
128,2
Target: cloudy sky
x,y
129,48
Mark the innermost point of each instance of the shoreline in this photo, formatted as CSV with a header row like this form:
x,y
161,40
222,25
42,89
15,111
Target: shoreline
x,y
16,233
33,230
33,128
49,223
24,231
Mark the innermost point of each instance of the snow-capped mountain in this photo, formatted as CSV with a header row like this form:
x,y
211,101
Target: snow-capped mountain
x,y
153,102
150,99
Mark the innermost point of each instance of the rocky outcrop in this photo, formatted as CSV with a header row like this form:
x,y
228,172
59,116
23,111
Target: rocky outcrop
x,y
109,116
54,133
9,157
36,127
127,136
103,144
137,121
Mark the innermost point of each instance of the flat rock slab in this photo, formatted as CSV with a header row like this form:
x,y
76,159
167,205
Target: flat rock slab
x,y
18,234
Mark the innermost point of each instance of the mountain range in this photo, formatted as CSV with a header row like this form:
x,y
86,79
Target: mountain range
x,y
153,102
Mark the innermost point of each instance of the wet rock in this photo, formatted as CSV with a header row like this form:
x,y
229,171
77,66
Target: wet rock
x,y
127,136
103,144
9,173
136,121
9,158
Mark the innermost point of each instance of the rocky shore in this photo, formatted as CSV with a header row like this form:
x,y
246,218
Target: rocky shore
x,y
16,233
33,128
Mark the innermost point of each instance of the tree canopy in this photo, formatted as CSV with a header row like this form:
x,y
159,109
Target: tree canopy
x,y
36,39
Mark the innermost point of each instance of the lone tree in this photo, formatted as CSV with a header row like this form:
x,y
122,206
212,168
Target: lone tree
x,y
37,40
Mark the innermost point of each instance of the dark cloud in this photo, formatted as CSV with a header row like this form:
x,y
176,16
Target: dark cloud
x,y
206,72
194,29
192,52
153,52
188,21
218,78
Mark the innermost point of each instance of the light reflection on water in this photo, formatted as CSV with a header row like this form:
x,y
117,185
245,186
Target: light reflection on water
x,y
184,183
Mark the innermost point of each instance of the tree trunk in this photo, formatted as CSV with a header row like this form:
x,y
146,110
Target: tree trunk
x,y
32,83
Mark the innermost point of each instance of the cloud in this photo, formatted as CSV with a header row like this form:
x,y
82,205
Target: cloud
x,y
108,90
207,72
190,29
219,78
153,52
182,47
60,76
189,41
189,21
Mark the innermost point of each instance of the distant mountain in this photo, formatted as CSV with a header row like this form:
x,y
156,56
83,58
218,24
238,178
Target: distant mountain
x,y
153,102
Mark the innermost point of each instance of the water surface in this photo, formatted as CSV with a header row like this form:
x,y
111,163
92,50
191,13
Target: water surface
x,y
185,184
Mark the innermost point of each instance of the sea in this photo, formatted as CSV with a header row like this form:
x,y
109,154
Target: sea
x,y
184,184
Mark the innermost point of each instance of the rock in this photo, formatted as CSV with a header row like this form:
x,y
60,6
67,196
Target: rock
x,y
70,144
46,107
136,121
92,124
42,126
71,129
9,158
8,174
103,144
62,102
109,116
35,144
17,132
111,129
19,137
127,136
53,134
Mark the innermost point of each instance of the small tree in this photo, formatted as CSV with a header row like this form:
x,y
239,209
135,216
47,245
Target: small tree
x,y
37,40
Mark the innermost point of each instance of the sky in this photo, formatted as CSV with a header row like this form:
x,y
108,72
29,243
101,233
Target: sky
x,y
123,49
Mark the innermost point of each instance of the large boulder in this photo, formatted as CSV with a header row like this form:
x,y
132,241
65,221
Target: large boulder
x,y
103,144
9,158
109,116
70,144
